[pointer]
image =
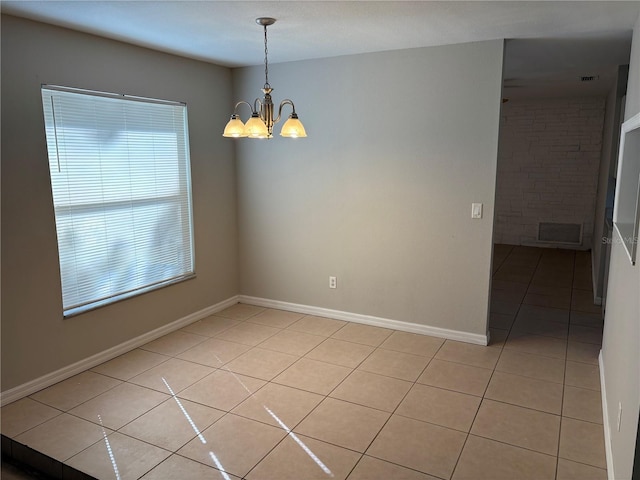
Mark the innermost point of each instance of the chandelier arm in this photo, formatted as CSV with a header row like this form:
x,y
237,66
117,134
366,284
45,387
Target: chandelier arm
x,y
284,102
257,106
242,102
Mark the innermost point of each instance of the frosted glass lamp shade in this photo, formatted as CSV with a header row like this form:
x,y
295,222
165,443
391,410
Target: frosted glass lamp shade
x,y
255,127
293,128
235,128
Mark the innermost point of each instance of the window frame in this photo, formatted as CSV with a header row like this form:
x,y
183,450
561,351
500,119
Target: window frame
x,y
626,206
183,200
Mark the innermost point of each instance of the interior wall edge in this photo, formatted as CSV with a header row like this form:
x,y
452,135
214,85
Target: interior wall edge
x,y
621,357
605,421
597,299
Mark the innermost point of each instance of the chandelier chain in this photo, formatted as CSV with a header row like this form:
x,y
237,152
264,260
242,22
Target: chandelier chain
x,y
266,60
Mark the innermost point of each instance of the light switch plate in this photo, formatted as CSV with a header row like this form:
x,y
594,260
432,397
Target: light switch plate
x,y
476,210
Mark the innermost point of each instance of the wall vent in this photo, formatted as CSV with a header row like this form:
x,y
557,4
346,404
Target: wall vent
x,y
565,233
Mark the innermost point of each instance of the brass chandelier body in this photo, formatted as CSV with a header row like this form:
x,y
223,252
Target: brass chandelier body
x,y
262,120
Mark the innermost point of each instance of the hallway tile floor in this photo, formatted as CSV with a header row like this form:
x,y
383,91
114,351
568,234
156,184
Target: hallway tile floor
x,y
261,394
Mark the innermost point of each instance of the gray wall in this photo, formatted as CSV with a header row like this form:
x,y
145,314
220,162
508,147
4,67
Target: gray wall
x,y
400,144
35,338
620,352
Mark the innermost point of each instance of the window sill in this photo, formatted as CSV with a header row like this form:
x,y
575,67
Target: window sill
x,y
73,312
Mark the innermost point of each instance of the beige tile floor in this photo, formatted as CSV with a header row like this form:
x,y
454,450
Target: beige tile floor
x,y
254,393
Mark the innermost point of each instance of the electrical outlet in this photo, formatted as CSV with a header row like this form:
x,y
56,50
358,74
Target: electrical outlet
x,y
333,282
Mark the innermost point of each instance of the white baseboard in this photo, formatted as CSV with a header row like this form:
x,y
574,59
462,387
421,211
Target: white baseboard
x,y
49,379
474,338
605,421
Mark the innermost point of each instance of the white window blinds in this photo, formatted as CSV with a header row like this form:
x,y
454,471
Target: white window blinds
x,y
122,194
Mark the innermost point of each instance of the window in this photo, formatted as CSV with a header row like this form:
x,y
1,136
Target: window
x,y
122,194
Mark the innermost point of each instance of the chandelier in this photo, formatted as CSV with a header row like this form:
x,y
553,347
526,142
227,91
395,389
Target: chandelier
x,y
260,125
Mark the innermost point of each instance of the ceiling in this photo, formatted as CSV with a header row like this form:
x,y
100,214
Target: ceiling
x,y
551,43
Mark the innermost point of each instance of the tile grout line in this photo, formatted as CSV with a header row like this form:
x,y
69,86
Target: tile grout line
x,y
352,370
394,412
503,260
494,367
144,413
396,407
228,412
573,273
312,410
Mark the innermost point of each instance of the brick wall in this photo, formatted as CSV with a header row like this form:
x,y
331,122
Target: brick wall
x,y
548,162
